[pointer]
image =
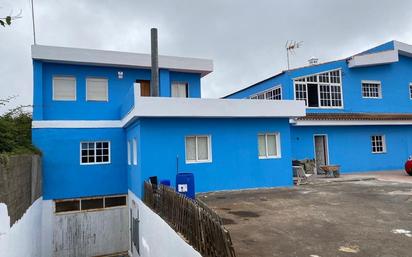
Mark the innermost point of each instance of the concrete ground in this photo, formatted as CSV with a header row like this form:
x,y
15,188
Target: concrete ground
x,y
361,218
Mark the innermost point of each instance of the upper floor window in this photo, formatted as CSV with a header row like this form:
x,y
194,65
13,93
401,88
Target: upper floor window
x,y
64,88
95,152
180,89
269,145
198,149
274,93
410,90
378,144
97,89
320,90
371,89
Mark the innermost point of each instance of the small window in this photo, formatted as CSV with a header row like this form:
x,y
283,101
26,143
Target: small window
x,y
378,144
410,91
64,88
129,162
180,90
92,204
114,201
198,149
95,152
134,152
274,93
269,145
67,205
371,89
97,89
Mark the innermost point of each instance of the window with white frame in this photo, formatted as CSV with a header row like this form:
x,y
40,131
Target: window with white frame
x,y
269,145
320,90
97,89
410,90
180,89
134,151
95,152
64,88
378,144
129,162
371,89
198,149
274,93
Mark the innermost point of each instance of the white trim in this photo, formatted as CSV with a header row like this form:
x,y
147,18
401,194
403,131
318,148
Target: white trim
x,y
266,91
119,59
278,146
128,153
96,163
376,82
209,150
66,77
295,122
317,73
134,151
107,89
383,143
384,57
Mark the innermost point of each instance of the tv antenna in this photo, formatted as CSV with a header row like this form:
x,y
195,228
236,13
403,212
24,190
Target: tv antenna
x,y
290,47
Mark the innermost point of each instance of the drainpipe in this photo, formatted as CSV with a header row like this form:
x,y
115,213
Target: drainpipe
x,y
154,83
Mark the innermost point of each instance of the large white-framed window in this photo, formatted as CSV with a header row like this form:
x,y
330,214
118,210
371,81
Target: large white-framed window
x,y
97,89
371,89
96,152
64,88
134,151
198,148
378,143
410,91
274,93
321,90
180,89
269,145
129,159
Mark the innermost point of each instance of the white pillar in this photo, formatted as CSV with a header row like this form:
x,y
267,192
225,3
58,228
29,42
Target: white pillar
x,y
137,92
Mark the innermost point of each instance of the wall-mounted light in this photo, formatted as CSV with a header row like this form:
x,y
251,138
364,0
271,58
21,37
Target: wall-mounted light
x,y
120,74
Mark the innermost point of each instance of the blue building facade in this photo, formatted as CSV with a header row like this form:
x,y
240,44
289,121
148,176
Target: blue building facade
x,y
102,134
359,109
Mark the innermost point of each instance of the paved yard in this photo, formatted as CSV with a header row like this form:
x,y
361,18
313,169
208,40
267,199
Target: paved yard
x,y
365,218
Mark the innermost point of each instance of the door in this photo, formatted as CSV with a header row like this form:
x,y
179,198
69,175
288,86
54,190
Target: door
x,y
313,99
144,87
321,152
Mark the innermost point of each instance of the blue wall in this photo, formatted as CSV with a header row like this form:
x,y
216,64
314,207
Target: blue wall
x,y
46,108
235,163
350,146
64,177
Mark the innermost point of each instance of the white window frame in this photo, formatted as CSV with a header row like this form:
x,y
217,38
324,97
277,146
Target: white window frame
x,y
134,151
96,163
410,90
129,162
278,145
179,82
107,89
330,84
377,82
73,78
263,94
383,138
209,150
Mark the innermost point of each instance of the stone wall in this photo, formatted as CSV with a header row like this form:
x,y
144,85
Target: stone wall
x,y
20,183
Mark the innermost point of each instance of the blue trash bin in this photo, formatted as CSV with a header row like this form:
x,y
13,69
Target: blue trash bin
x,y
185,184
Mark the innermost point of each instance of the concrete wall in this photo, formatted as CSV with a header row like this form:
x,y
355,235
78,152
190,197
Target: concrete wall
x,y
157,238
20,183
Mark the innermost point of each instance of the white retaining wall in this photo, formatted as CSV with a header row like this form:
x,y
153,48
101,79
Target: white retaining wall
x,y
157,238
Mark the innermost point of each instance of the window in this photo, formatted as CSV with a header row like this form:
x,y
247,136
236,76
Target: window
x,y
64,88
97,89
87,204
274,93
371,89
180,89
95,152
134,152
269,145
129,162
322,90
410,90
198,149
378,144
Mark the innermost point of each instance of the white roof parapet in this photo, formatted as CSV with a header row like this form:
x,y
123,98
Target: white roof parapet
x,y
119,59
364,60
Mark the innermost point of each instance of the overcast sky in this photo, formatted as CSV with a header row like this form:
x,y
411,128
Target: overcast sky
x,y
244,38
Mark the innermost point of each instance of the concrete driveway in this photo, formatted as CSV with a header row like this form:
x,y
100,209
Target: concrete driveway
x,y
365,218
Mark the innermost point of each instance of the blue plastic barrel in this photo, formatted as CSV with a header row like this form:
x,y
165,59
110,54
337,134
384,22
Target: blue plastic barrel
x,y
185,184
165,182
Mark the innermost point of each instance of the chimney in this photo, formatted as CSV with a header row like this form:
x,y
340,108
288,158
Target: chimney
x,y
154,83
313,61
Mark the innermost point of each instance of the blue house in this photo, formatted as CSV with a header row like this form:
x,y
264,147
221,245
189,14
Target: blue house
x,y
359,109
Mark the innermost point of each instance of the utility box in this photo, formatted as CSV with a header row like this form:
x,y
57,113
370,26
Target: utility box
x,y
185,184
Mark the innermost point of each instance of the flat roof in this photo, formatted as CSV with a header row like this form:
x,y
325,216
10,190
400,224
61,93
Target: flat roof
x,y
70,55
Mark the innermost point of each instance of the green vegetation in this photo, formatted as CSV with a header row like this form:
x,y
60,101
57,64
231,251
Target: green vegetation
x,y
15,130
